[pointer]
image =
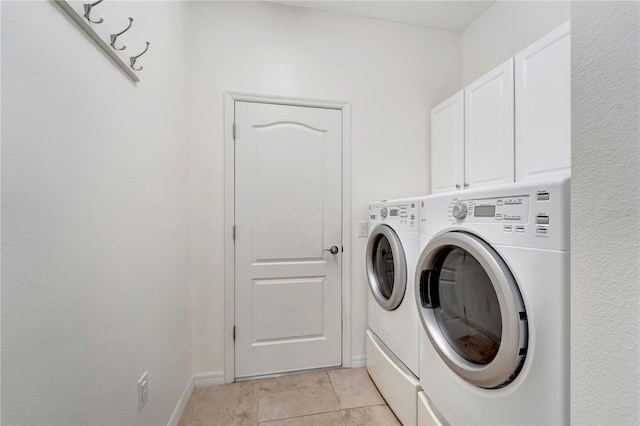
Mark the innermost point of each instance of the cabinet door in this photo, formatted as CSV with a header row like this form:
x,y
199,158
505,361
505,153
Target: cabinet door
x,y
543,107
488,147
447,144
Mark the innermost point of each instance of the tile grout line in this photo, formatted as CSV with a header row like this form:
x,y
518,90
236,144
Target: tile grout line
x,y
298,417
258,407
344,420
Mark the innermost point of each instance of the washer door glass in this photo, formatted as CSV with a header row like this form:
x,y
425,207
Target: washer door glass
x,y
383,265
386,267
471,309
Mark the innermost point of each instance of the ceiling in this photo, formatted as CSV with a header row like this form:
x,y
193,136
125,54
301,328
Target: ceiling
x,y
451,15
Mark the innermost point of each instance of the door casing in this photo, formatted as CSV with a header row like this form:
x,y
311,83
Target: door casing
x,y
230,98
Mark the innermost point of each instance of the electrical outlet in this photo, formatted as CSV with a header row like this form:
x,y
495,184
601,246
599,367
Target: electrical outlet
x,y
143,390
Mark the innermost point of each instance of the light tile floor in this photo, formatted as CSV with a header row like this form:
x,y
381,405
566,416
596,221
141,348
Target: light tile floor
x,y
344,397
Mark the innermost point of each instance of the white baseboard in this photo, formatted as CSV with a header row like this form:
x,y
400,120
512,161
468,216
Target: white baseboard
x,y
358,361
208,379
198,380
182,404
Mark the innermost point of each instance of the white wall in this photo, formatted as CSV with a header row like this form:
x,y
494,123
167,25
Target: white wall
x,y
94,219
605,219
506,28
391,73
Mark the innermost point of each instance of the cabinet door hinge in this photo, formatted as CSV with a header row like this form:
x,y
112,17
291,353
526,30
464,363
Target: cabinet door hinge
x,y
234,333
233,233
234,130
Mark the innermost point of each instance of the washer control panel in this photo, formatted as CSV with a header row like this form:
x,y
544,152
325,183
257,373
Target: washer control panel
x,y
402,213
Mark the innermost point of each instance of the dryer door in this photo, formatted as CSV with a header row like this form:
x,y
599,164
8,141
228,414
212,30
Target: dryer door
x,y
386,267
471,309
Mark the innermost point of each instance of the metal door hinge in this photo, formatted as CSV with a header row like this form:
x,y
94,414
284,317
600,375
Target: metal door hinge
x,y
233,233
234,130
234,333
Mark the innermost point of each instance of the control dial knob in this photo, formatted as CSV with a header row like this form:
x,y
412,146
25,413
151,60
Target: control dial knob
x,y
459,210
384,212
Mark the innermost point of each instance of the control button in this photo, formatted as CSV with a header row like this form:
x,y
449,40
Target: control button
x,y
384,212
499,203
542,219
459,210
520,229
542,231
543,196
498,217
508,228
413,217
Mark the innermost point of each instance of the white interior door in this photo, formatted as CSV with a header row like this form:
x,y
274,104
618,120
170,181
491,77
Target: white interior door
x,y
288,207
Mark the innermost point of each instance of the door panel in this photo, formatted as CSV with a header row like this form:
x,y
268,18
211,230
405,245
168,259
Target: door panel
x,y
447,144
543,107
297,297
288,210
286,150
489,128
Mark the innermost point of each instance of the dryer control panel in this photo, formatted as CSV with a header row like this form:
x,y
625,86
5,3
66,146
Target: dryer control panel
x,y
532,214
512,209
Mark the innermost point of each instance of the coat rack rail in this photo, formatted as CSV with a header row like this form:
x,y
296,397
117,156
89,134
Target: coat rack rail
x,y
104,45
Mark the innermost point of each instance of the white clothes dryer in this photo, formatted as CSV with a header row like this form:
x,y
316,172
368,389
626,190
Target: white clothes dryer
x,y
492,291
392,338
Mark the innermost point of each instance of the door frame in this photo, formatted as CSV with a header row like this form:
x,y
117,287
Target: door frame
x,y
230,98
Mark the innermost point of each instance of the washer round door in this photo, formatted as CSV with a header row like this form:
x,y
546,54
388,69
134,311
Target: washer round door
x,y
472,309
386,267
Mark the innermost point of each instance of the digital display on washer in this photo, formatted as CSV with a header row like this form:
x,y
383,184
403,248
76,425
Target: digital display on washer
x,y
393,212
484,211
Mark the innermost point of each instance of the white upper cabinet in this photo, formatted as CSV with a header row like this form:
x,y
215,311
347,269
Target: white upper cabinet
x,y
543,107
447,144
516,123
489,158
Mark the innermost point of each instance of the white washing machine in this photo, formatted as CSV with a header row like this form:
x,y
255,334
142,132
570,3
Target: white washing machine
x,y
392,338
492,291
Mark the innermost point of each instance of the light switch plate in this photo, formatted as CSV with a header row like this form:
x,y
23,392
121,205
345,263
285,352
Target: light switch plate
x,y
363,229
143,390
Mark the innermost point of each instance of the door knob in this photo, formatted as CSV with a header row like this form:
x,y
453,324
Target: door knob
x,y
332,250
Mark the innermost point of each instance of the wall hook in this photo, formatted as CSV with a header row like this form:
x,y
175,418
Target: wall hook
x,y
134,58
114,37
87,11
